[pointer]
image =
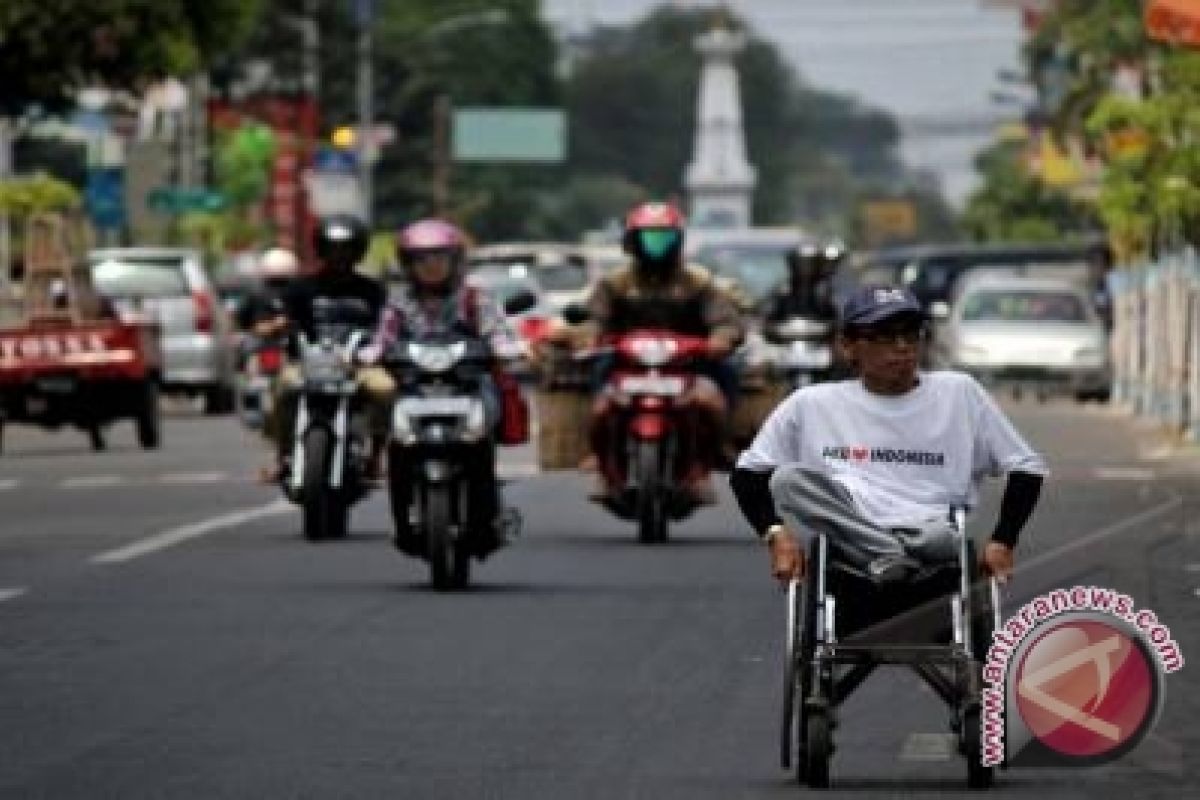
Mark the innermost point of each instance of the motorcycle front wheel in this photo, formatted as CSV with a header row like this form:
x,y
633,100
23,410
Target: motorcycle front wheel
x,y
449,561
324,513
651,494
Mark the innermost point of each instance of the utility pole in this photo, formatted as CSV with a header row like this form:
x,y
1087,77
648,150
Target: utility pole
x,y
365,13
311,58
441,155
6,170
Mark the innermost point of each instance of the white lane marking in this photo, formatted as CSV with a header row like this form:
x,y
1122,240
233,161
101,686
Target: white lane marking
x,y
92,481
9,594
1112,530
517,470
8,483
928,747
1124,473
1192,568
193,477
174,536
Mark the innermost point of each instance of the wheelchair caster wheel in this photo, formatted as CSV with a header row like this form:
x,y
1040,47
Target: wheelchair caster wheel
x,y
818,749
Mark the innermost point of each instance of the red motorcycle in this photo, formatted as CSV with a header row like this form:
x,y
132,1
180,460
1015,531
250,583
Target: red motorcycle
x,y
657,436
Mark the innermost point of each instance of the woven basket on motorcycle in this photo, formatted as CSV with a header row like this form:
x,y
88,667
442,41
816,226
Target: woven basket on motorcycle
x,y
761,389
563,404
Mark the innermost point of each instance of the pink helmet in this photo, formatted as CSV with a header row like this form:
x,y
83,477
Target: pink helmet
x,y
433,236
430,234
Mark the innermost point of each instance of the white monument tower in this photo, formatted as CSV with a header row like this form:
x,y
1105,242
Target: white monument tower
x,y
720,181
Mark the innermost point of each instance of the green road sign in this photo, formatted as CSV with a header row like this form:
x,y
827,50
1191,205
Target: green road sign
x,y
181,199
535,135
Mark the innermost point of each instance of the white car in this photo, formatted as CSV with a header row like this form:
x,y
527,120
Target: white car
x,y
1029,333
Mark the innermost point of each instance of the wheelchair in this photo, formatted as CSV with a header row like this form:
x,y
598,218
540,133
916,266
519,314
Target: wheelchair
x,y
841,626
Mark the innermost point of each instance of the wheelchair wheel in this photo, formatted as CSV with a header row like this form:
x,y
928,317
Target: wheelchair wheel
x,y
980,629
978,776
791,671
813,726
818,748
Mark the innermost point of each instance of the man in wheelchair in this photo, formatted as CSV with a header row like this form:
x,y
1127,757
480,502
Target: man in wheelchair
x,y
874,464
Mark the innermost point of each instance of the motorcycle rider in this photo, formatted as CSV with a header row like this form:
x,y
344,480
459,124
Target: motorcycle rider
x,y
656,289
336,288
809,290
433,299
277,268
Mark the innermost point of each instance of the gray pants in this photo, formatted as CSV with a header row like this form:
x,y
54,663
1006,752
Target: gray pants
x,y
812,503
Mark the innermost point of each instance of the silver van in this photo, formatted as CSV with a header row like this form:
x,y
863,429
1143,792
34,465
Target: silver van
x,y
171,286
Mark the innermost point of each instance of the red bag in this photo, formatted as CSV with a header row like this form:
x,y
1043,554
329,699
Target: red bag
x,y
514,410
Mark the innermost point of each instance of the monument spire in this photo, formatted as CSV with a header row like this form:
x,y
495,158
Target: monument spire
x,y
720,181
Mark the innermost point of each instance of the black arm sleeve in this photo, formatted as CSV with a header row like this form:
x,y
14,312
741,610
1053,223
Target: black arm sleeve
x,y
753,492
1020,496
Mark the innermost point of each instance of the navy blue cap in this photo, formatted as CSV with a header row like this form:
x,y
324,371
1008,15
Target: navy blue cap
x,y
871,304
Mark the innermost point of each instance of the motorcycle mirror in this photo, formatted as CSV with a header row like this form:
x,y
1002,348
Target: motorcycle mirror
x,y
519,303
575,314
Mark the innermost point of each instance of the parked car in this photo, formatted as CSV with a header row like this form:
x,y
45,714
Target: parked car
x,y
172,287
932,271
1025,333
565,273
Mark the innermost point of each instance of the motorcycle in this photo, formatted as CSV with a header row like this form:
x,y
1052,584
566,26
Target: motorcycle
x,y
442,457
651,374
803,350
332,437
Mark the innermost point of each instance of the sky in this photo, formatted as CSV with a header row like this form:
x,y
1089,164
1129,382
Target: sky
x,y
930,62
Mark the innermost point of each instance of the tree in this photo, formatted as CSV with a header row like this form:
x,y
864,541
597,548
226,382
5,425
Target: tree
x,y
49,48
1014,205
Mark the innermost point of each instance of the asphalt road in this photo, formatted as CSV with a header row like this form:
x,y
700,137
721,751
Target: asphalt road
x,y
164,632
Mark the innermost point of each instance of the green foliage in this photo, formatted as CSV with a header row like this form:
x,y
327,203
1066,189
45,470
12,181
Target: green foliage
x,y
243,163
585,202
216,233
1153,192
466,49
48,48
1013,205
1149,196
21,197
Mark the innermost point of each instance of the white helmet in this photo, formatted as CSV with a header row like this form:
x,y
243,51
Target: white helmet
x,y
278,262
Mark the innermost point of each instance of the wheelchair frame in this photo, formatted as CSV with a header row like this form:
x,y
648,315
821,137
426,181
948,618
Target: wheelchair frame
x,y
821,671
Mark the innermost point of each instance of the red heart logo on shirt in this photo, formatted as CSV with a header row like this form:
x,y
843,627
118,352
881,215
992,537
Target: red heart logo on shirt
x,y
859,454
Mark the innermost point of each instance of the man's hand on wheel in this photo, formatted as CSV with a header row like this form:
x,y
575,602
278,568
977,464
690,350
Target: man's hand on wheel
x,y
787,557
998,561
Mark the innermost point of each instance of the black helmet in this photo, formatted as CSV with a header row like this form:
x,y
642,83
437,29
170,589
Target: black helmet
x,y
340,241
804,259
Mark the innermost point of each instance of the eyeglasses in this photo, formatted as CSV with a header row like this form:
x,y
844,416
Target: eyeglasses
x,y
909,335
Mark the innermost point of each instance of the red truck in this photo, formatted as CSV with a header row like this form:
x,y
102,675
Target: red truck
x,y
86,375
70,360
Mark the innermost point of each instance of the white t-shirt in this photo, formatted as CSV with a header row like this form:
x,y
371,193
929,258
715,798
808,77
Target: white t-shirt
x,y
904,459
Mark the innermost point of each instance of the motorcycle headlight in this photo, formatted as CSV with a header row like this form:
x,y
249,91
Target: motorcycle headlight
x,y
653,352
436,358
